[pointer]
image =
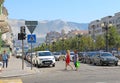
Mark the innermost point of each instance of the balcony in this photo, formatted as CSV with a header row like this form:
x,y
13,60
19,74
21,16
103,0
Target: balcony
x,y
3,24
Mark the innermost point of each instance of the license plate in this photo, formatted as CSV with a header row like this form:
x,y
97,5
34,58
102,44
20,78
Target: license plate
x,y
111,62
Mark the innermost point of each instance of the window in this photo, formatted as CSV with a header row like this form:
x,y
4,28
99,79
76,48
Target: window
x,y
45,54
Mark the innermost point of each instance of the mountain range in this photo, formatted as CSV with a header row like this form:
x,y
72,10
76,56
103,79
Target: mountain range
x,y
46,26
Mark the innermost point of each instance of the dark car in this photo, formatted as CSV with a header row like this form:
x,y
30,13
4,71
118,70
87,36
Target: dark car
x,y
90,56
81,56
105,58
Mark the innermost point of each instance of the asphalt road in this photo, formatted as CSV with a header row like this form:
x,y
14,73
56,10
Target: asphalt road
x,y
85,74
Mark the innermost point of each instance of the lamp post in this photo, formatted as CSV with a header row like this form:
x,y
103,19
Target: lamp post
x,y
63,41
53,45
93,37
78,40
106,27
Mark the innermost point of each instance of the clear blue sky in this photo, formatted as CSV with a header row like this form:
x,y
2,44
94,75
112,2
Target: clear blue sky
x,y
81,11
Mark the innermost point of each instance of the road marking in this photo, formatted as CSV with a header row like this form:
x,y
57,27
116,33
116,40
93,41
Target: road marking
x,y
11,81
101,82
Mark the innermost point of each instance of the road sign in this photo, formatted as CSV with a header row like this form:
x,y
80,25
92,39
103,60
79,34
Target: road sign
x,y
31,25
31,22
31,28
31,38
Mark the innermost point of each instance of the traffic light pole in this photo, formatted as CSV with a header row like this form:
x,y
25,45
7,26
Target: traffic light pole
x,y
22,54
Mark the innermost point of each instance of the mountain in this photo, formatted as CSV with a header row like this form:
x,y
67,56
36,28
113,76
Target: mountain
x,y
46,26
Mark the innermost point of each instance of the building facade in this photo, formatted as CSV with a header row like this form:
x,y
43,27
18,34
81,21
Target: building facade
x,y
96,29
54,36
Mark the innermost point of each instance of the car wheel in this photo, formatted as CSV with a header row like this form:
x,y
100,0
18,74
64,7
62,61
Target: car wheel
x,y
116,64
93,62
101,63
38,65
53,65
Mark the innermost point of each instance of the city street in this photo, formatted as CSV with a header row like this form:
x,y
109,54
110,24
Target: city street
x,y
86,74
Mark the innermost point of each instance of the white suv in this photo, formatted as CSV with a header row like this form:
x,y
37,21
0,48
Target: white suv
x,y
44,58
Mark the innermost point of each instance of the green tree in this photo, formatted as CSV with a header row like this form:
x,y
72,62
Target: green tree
x,y
100,42
113,37
1,2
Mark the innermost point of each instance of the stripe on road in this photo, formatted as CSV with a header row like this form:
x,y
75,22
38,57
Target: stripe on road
x,y
11,81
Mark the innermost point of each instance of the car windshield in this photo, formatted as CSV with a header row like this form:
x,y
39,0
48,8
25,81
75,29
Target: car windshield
x,y
57,53
45,54
72,53
106,54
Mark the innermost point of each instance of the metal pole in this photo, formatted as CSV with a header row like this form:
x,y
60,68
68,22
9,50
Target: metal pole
x,y
22,54
107,39
31,56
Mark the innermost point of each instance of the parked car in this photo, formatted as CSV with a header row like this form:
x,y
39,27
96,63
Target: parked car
x,y
18,55
81,55
57,55
90,56
105,58
71,56
44,58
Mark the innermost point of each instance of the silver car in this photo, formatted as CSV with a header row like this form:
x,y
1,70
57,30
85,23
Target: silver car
x,y
105,58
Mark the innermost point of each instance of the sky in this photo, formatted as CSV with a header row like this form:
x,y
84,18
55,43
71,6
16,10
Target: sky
x,y
80,11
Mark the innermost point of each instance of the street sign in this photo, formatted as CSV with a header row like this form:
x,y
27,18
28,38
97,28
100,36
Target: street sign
x,y
31,38
31,28
31,25
31,22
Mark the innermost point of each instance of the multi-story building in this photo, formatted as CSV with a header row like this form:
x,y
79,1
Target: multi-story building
x,y
73,33
55,36
52,37
96,29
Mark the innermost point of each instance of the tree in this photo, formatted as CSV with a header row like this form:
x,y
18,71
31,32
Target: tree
x,y
1,2
100,42
113,37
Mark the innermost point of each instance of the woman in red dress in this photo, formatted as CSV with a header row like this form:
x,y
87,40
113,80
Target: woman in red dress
x,y
67,60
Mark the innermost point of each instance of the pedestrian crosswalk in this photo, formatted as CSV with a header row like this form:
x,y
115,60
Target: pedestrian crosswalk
x,y
11,81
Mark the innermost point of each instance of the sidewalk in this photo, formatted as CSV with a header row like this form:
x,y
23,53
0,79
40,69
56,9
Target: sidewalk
x,y
15,68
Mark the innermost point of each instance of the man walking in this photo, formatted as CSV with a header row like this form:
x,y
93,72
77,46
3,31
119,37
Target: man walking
x,y
5,58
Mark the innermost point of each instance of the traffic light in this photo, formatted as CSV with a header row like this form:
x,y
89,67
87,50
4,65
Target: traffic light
x,y
19,36
23,36
22,29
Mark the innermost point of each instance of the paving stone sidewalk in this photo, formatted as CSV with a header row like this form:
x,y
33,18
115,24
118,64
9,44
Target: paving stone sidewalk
x,y
15,68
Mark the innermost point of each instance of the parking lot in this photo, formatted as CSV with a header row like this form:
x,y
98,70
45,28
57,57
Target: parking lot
x,y
86,74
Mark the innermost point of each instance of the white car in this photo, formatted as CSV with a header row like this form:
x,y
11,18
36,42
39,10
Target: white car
x,y
18,55
71,56
44,58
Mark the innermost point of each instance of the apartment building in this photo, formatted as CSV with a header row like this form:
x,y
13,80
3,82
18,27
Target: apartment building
x,y
96,29
54,36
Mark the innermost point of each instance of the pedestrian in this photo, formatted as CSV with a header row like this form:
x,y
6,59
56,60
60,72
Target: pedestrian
x,y
5,58
75,60
67,60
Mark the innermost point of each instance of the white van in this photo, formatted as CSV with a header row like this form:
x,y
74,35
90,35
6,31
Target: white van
x,y
44,58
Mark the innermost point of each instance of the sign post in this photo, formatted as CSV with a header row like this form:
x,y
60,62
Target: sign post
x,y
31,25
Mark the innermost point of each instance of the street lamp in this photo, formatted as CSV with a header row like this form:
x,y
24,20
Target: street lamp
x,y
106,27
63,41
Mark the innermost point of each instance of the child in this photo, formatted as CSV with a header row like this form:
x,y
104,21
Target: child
x,y
67,61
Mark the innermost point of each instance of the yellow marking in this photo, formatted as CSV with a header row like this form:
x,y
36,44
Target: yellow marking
x,y
11,81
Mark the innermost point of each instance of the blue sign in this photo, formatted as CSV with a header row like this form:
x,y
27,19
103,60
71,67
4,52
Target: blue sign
x,y
31,38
